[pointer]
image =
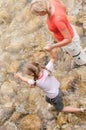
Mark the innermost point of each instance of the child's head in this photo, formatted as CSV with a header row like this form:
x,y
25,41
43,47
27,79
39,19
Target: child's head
x,y
33,69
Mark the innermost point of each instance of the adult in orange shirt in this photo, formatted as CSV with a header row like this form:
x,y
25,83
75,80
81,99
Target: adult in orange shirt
x,y
58,24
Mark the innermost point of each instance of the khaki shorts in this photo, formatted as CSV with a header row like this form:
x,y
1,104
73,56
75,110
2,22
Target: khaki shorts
x,y
75,49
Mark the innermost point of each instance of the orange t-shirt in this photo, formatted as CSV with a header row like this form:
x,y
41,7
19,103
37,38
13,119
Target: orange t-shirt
x,y
58,21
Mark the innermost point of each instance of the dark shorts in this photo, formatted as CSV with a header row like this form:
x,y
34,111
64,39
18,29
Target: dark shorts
x,y
57,102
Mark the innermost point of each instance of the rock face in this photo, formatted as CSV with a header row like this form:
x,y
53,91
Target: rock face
x,y
30,122
22,38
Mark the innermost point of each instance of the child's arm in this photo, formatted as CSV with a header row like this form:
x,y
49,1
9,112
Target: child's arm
x,y
52,54
18,75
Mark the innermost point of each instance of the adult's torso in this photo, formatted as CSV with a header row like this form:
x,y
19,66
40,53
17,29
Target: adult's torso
x,y
58,20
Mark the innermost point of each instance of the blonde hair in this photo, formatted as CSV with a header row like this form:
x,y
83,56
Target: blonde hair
x,y
37,6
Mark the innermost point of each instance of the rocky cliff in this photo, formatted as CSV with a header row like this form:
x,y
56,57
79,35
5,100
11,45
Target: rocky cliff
x,y
22,37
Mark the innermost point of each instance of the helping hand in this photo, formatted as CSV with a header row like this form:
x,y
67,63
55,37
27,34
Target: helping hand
x,y
48,47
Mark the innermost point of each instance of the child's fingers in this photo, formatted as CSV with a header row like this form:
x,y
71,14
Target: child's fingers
x,y
16,75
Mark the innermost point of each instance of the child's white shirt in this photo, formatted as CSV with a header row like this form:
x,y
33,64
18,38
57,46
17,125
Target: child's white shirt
x,y
48,83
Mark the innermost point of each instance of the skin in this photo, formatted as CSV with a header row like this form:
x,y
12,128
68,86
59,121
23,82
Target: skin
x,y
24,79
67,40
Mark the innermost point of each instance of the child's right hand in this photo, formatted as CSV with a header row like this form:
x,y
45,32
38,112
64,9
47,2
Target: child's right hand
x,y
17,75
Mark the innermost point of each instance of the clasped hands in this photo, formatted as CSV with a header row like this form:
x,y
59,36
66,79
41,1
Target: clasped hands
x,y
48,47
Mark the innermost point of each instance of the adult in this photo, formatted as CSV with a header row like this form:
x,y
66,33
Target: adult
x,y
63,31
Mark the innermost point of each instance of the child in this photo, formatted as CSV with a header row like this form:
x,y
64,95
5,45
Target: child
x,y
43,78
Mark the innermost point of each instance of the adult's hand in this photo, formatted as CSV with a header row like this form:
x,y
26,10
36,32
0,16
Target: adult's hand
x,y
48,47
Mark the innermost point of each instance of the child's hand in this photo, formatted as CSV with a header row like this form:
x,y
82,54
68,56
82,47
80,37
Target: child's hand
x,y
17,75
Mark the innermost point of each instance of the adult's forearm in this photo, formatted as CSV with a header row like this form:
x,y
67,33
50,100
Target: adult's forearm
x,y
61,44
